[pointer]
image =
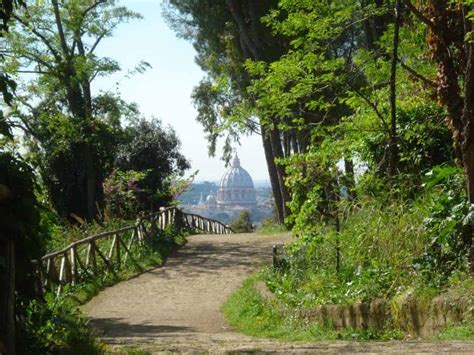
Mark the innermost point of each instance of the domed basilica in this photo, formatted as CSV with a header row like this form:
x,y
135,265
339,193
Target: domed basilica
x,y
224,201
236,188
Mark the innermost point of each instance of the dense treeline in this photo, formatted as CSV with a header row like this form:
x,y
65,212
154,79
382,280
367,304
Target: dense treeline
x,y
335,83
297,72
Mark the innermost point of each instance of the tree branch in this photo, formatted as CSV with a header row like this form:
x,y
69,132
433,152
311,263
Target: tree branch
x,y
417,75
420,15
59,25
41,37
93,6
32,72
96,43
374,107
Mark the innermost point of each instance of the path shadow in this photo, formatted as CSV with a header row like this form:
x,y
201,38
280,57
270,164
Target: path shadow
x,y
119,327
207,257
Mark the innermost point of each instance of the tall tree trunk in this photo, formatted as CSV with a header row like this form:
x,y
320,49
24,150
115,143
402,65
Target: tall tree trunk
x,y
275,140
350,178
250,47
468,121
393,139
442,35
294,141
7,297
469,163
272,172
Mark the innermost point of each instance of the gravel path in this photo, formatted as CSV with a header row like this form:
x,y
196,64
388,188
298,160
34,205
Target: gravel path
x,y
176,308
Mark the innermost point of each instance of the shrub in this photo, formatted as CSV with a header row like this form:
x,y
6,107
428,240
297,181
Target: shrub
x,y
243,223
122,193
450,239
52,326
385,246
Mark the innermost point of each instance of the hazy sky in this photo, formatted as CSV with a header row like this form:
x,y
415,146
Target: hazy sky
x,y
164,91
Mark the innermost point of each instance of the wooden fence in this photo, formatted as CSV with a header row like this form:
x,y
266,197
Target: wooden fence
x,y
107,252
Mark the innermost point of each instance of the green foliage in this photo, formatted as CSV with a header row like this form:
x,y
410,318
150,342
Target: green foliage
x,y
150,147
450,239
457,332
72,134
243,223
387,243
57,149
121,193
51,326
312,178
378,243
7,84
20,220
424,140
269,226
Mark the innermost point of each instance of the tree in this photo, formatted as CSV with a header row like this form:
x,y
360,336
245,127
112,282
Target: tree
x,y
57,42
20,242
450,42
149,147
243,223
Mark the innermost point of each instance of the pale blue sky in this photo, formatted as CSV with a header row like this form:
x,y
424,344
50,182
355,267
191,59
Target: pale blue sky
x,y
164,91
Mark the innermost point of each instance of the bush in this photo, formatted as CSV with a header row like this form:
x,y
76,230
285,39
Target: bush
x,y
122,193
243,223
386,246
377,245
52,326
450,239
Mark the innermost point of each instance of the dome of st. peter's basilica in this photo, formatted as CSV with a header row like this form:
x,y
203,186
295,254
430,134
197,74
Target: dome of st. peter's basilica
x,y
236,187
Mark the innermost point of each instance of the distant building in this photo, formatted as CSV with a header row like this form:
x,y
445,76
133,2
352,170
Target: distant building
x,y
211,202
236,188
235,193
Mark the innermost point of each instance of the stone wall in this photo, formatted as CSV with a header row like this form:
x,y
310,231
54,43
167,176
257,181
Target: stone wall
x,y
414,316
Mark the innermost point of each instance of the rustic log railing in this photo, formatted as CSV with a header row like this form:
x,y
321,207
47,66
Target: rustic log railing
x,y
107,252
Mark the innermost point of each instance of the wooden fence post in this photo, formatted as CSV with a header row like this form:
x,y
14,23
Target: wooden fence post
x,y
73,266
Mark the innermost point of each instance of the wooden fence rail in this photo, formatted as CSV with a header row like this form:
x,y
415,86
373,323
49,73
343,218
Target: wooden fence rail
x,y
107,252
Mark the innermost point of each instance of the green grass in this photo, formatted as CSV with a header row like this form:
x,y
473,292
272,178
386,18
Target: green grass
x,y
457,332
252,314
271,229
248,312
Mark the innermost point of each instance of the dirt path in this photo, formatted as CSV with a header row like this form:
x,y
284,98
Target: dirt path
x,y
176,308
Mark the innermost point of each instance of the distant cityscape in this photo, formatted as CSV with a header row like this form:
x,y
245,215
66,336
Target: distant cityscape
x,y
224,200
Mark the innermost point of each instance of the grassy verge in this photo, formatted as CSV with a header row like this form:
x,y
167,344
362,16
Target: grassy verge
x,y
251,313
271,229
247,311
458,332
